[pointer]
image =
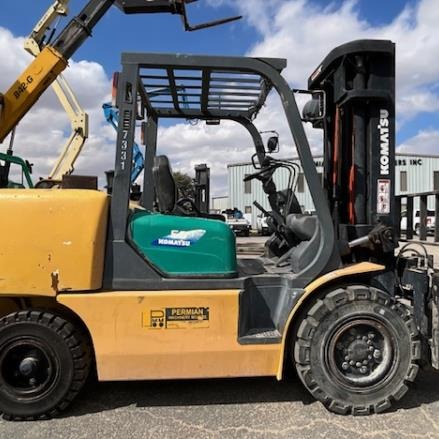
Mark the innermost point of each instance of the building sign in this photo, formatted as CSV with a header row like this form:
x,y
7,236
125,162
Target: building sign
x,y
408,162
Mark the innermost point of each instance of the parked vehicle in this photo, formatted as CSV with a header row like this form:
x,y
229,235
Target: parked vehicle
x,y
430,221
262,225
237,222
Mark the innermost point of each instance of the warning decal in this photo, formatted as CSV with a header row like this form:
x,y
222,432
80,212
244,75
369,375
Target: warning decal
x,y
176,318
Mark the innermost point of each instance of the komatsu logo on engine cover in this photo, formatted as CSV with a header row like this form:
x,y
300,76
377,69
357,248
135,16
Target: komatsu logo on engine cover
x,y
384,131
180,238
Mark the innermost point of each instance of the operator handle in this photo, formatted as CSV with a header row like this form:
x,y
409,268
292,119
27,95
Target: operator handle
x,y
257,205
364,240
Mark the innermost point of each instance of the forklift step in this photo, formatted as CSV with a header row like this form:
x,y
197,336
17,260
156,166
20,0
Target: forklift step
x,y
269,336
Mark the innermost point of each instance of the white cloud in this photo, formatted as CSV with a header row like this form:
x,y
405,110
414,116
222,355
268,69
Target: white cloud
x,y
42,133
304,33
425,142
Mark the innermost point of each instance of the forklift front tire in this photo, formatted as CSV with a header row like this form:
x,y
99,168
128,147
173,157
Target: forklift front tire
x,y
356,350
44,363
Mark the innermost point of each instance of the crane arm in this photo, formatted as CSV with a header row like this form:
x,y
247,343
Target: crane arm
x,y
79,123
48,65
77,116
53,59
36,40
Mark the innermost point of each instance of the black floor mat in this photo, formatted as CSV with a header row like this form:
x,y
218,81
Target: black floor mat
x,y
248,267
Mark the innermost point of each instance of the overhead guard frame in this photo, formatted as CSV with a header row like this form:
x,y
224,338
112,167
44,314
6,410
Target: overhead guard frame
x,y
253,79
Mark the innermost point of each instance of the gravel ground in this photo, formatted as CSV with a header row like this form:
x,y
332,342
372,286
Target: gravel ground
x,y
241,408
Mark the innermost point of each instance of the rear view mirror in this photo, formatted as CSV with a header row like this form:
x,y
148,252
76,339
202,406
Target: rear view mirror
x,y
273,144
273,141
314,111
29,166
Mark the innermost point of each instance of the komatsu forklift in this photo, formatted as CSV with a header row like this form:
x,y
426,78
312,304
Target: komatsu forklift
x,y
88,282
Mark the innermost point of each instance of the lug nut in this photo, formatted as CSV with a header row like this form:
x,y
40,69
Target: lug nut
x,y
352,363
376,354
371,335
345,366
363,369
365,362
358,364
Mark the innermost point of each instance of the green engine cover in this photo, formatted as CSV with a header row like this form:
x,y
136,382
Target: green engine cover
x,y
179,245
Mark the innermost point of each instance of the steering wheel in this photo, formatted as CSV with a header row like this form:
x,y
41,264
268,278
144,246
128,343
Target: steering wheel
x,y
263,174
181,205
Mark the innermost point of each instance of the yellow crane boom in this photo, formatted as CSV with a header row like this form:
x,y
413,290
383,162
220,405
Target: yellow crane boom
x,y
53,59
77,116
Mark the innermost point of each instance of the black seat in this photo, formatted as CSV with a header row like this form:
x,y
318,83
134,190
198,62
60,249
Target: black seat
x,y
167,192
164,184
307,229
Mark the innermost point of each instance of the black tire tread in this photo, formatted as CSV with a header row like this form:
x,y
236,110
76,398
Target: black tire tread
x,y
324,306
77,344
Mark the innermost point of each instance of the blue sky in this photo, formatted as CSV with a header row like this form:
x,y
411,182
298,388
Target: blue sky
x,y
162,33
266,30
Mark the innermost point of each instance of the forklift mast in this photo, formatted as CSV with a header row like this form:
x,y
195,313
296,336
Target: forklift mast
x,y
202,188
358,80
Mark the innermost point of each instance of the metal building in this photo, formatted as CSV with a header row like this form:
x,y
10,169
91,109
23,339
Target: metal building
x,y
414,173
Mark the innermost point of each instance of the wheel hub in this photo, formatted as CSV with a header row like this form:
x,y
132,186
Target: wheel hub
x,y
26,368
360,352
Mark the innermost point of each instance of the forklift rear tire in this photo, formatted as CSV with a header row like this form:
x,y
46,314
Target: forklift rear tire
x,y
44,363
356,350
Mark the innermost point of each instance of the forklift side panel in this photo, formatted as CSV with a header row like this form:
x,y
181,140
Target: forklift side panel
x,y
53,240
169,334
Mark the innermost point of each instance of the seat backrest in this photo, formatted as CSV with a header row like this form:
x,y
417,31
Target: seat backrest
x,y
164,184
307,229
303,226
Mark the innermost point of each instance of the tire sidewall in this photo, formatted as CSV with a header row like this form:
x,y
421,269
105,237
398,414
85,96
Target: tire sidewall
x,y
333,310
401,355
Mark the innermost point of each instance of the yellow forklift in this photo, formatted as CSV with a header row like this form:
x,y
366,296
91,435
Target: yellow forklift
x,y
143,293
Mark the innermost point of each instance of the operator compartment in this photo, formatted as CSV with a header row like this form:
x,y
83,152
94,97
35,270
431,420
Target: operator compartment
x,y
185,246
53,240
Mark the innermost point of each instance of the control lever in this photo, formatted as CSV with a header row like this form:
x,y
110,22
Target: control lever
x,y
379,236
258,206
